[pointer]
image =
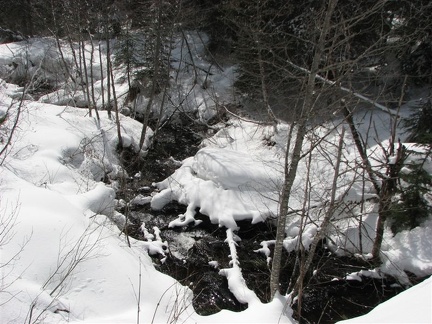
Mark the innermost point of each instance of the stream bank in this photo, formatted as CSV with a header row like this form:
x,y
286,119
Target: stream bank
x,y
196,253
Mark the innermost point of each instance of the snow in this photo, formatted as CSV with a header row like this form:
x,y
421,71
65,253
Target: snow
x,y
62,257
408,251
64,260
141,200
224,181
236,283
62,251
410,306
236,176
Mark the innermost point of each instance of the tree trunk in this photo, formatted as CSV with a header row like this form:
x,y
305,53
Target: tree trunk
x,y
290,173
298,287
291,170
116,110
86,77
156,69
102,76
360,147
108,67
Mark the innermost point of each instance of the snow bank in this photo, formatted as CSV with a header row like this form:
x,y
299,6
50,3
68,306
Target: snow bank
x,y
408,251
62,259
238,173
411,306
225,183
36,58
200,85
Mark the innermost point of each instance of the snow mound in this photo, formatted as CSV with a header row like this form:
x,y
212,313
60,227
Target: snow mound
x,y
225,185
411,306
62,258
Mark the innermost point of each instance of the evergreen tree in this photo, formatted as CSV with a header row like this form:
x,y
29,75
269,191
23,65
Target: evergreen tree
x,y
409,205
419,124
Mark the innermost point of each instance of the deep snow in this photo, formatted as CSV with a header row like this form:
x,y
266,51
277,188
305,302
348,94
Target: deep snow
x,y
63,259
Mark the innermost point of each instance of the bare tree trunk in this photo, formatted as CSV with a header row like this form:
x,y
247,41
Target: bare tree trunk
x,y
184,39
298,287
264,87
387,187
86,79
102,76
116,110
146,117
291,170
11,132
166,86
290,173
387,190
360,226
92,92
360,147
381,190
60,50
301,259
78,65
156,67
108,67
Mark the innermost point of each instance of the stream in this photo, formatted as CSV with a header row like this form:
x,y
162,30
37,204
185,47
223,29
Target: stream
x,y
191,248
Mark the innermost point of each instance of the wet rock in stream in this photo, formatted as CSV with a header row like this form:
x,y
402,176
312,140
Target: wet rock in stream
x,y
211,293
196,253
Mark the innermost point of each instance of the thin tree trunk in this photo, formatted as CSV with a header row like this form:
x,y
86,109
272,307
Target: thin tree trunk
x,y
78,65
102,76
165,90
184,38
290,173
108,67
116,110
380,190
388,188
93,98
360,147
291,170
156,67
264,90
86,79
65,64
301,259
298,287
262,73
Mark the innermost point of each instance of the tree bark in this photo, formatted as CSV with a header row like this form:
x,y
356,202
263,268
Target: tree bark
x,y
298,287
156,69
291,168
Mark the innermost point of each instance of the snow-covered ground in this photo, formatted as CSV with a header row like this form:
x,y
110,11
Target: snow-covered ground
x,y
63,259
410,306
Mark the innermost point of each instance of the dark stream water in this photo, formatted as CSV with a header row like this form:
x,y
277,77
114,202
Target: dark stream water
x,y
192,248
